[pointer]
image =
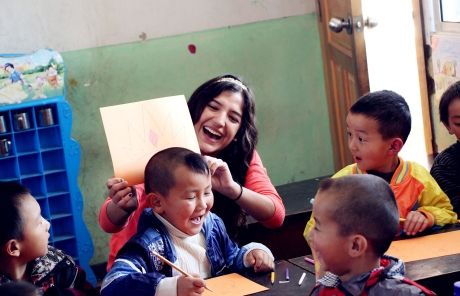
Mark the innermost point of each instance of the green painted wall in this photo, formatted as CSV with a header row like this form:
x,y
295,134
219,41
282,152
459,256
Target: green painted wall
x,y
279,59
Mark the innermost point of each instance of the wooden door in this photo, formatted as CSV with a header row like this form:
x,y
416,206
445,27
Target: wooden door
x,y
345,67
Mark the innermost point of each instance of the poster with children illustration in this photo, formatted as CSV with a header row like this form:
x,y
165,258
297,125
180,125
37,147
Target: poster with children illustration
x,y
446,71
38,75
136,131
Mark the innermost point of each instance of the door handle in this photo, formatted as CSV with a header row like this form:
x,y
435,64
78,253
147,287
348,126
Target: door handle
x,y
337,25
370,22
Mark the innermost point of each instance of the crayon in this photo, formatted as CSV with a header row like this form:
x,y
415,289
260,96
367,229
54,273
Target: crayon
x,y
309,260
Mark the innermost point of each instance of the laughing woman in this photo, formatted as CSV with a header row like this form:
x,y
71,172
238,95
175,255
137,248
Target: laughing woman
x,y
223,115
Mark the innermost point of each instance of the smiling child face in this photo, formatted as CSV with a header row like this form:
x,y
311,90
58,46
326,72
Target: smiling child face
x,y
329,245
188,201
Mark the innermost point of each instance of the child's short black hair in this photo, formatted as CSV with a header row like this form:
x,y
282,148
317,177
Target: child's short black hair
x,y
452,93
11,194
159,171
364,204
9,65
389,109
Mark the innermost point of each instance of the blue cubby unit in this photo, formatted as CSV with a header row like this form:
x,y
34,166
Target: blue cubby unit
x,y
25,142
38,151
53,160
9,169
50,138
30,165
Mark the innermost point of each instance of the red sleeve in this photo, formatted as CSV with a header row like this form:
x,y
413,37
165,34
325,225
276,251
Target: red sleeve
x,y
121,234
104,221
258,181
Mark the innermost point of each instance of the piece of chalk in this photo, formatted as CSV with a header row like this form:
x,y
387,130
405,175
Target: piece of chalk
x,y
302,278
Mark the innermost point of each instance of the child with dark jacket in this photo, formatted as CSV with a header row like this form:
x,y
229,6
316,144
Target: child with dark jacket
x,y
180,227
446,166
349,239
25,254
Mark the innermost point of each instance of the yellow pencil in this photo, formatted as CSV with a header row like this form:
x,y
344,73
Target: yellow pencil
x,y
272,276
176,267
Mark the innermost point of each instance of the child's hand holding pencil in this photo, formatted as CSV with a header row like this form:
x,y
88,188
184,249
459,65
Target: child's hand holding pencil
x,y
188,283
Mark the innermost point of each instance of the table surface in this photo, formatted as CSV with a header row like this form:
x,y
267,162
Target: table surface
x,y
415,270
285,289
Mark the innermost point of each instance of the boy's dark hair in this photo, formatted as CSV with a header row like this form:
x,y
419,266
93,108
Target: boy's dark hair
x,y
19,288
364,204
452,93
159,171
389,109
11,194
8,65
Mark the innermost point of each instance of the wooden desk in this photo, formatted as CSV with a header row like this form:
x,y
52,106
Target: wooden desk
x,y
437,274
438,266
286,289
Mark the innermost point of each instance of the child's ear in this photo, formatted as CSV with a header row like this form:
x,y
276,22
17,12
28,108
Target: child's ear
x,y
358,245
12,248
156,202
396,145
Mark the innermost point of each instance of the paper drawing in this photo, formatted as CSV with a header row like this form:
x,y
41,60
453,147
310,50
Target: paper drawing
x,y
136,131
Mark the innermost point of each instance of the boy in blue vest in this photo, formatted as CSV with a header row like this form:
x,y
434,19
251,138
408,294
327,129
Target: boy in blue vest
x,y
349,239
180,227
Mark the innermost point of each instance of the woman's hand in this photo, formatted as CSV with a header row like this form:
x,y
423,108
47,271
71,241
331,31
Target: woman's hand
x,y
221,177
122,195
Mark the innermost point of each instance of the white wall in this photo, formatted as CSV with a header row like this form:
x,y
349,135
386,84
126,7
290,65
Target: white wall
x,y
71,25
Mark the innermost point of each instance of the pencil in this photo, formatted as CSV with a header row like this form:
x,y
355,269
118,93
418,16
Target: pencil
x,y
272,277
176,267
402,219
287,274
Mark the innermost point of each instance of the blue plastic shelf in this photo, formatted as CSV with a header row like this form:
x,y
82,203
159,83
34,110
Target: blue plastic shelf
x,y
43,156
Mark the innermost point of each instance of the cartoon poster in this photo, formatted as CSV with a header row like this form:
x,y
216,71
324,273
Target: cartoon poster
x,y
446,71
136,131
38,75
